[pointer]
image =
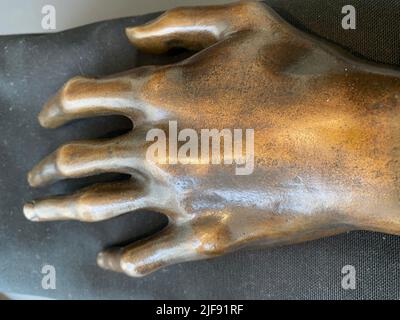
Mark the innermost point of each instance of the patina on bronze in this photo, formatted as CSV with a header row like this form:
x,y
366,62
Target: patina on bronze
x,y
327,139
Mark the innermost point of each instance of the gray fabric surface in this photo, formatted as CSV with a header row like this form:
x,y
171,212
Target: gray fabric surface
x,y
33,67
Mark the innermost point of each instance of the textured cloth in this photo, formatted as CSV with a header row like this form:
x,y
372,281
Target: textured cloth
x,y
377,33
32,68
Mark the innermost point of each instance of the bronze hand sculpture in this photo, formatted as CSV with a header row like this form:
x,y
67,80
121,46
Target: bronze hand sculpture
x,y
326,139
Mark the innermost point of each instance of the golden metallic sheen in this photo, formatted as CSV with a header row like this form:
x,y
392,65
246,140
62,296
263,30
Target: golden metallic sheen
x,y
326,129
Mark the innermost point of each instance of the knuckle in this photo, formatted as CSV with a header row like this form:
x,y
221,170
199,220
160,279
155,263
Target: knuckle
x,y
214,245
249,7
83,213
214,237
63,158
84,208
254,14
70,91
156,86
175,12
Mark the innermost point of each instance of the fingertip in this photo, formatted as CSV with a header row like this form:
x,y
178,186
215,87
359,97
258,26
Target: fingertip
x,y
51,115
52,209
31,179
30,212
132,34
44,172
